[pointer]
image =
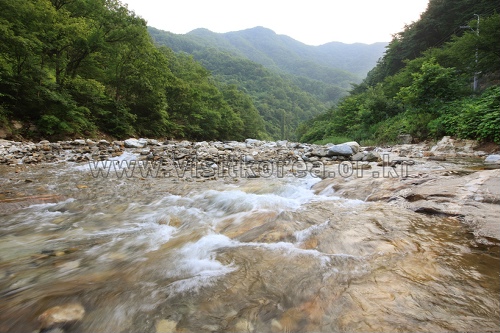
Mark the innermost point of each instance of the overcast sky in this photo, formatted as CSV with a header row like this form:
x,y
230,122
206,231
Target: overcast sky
x,y
312,22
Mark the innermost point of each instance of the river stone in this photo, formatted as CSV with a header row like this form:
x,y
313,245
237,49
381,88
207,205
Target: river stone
x,y
492,159
357,157
79,142
269,145
247,158
243,325
8,143
61,314
354,146
321,152
165,326
68,265
372,157
213,151
14,150
281,143
134,143
201,144
340,150
184,144
253,142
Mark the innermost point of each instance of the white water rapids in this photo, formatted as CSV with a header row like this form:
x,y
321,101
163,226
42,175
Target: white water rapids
x,y
234,255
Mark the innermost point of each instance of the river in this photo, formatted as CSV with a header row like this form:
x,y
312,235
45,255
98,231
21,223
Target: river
x,y
273,254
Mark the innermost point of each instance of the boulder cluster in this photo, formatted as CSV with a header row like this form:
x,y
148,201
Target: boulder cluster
x,y
445,148
12,152
250,151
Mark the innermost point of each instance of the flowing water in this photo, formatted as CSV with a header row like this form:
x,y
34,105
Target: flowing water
x,y
233,255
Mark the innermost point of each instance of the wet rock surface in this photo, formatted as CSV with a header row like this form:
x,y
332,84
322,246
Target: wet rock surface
x,y
450,178
61,315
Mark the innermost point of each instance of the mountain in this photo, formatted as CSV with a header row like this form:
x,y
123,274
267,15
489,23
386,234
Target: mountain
x,y
334,63
289,82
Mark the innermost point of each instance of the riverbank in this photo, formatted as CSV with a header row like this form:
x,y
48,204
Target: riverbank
x,y
84,150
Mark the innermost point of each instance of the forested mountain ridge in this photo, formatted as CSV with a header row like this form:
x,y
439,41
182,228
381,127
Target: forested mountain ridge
x,y
440,76
344,63
289,81
439,24
283,100
278,98
326,84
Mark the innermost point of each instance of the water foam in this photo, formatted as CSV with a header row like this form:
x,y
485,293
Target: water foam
x,y
115,163
197,266
284,196
302,235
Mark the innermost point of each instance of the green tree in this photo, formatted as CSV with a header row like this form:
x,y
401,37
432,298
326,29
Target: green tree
x,y
252,122
432,84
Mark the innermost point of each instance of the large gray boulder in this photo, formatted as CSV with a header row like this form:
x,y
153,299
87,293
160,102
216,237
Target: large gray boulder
x,y
493,159
354,146
340,150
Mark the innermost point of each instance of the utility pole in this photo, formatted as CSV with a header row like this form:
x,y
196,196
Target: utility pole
x,y
476,72
477,33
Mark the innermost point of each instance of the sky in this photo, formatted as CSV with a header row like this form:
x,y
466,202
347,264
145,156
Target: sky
x,y
313,22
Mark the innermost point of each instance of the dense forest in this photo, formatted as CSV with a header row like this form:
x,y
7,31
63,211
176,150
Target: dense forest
x,y
440,76
89,67
71,68
279,99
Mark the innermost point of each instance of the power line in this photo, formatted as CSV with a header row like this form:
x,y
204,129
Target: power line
x,y
457,29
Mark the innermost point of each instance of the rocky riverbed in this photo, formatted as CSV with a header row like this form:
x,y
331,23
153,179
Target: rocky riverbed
x,y
177,236
450,177
80,150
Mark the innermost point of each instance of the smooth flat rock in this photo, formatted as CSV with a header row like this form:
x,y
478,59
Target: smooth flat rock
x,y
61,314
